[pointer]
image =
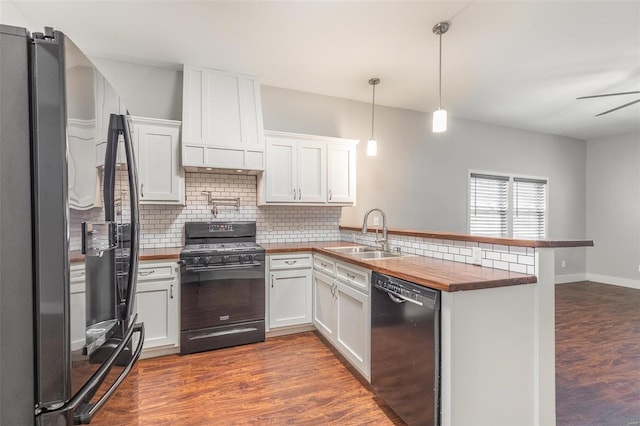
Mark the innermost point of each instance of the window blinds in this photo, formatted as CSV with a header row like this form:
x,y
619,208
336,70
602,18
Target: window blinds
x,y
529,207
488,205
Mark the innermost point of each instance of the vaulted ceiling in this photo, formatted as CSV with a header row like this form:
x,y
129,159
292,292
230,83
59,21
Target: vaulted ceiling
x,y
514,63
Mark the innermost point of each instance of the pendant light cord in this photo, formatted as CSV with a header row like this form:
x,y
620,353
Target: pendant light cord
x,y
373,109
440,73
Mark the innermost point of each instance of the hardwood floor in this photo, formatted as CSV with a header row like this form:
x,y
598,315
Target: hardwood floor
x,y
597,355
297,379
292,379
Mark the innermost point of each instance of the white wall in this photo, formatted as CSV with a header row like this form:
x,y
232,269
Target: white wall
x,y
613,205
10,15
420,179
145,90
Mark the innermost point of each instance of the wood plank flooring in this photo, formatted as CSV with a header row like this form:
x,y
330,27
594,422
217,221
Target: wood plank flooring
x,y
298,380
292,379
597,355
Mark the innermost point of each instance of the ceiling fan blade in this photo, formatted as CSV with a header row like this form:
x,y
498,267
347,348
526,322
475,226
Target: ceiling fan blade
x,y
608,94
620,107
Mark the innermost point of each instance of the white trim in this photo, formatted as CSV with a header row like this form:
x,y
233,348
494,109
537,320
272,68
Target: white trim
x,y
607,279
571,278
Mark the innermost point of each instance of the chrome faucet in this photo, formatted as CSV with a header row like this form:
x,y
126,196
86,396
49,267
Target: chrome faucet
x,y
383,240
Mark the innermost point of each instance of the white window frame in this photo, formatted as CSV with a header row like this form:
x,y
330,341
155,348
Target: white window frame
x,y
510,207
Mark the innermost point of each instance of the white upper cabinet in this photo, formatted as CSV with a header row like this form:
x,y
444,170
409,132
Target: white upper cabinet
x,y
341,174
312,172
222,120
157,149
305,169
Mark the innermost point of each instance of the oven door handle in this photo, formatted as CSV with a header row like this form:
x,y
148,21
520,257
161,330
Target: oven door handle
x,y
223,267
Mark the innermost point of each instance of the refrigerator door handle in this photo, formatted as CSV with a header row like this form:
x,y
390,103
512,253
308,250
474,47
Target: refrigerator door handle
x,y
86,412
89,389
135,219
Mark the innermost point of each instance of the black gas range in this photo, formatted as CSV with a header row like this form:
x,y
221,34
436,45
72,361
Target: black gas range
x,y
223,291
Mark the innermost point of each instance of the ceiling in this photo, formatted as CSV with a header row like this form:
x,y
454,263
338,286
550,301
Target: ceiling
x,y
514,63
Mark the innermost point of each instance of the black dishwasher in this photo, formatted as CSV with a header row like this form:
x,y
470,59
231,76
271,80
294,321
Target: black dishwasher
x,y
405,348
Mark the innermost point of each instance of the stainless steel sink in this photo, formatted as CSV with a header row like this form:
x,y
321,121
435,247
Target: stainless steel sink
x,y
365,252
377,254
352,250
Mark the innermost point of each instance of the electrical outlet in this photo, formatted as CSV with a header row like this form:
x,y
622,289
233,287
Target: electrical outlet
x,y
376,221
476,254
564,264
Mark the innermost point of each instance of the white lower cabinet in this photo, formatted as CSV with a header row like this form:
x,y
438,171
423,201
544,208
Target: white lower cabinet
x,y
289,289
158,306
77,306
341,310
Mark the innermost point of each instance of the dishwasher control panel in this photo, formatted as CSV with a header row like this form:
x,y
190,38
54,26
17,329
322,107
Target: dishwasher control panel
x,y
396,287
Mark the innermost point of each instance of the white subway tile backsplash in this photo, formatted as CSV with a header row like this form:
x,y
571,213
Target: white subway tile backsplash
x,y
497,264
511,258
492,255
516,267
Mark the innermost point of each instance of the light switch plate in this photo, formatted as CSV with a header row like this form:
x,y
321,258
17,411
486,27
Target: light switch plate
x,y
476,254
376,221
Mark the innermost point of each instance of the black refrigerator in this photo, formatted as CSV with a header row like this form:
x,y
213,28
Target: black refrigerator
x,y
68,196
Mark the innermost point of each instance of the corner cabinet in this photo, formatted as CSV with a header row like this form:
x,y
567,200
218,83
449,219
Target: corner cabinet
x,y
341,310
157,146
158,306
309,170
289,289
221,120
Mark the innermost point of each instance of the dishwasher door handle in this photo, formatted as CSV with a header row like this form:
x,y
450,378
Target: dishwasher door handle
x,y
397,298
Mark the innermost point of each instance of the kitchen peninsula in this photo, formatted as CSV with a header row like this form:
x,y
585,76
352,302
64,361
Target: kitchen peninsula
x,y
497,325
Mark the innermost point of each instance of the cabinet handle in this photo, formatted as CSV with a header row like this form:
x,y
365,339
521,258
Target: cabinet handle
x,y
290,262
351,277
271,281
171,291
294,193
324,265
333,289
329,195
142,189
299,194
146,273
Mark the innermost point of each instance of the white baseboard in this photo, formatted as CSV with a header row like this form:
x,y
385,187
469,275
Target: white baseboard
x,y
622,282
160,351
570,278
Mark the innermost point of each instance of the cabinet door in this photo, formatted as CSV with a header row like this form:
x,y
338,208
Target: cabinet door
x,y
324,316
281,170
341,173
223,119
82,171
158,308
77,318
194,110
158,159
354,327
312,172
290,298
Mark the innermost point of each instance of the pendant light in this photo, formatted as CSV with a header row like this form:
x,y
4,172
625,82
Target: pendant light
x,y
440,115
372,145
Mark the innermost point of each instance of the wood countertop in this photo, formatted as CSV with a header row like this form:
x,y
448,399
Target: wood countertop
x,y
440,274
168,253
479,239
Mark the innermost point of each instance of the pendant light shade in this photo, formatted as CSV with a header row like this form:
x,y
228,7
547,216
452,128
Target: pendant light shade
x,y
440,120
440,115
372,145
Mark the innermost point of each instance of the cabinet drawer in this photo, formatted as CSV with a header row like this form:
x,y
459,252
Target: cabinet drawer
x,y
324,264
157,271
290,261
354,276
77,273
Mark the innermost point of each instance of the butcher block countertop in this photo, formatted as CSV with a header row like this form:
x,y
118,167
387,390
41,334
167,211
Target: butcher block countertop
x,y
439,274
169,253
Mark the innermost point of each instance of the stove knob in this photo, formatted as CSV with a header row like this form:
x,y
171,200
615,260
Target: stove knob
x,y
195,260
207,260
243,258
225,259
251,257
